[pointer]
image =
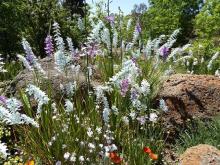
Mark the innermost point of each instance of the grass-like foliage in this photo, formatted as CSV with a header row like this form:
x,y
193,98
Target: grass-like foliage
x,y
200,132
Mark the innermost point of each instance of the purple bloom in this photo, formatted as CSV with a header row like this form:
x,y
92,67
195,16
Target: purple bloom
x,y
142,119
91,49
124,87
76,55
30,57
110,18
48,45
3,100
164,52
134,60
138,27
134,94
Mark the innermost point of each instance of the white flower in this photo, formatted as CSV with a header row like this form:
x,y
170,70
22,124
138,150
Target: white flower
x,y
94,35
58,39
132,115
89,132
73,157
92,146
99,130
3,150
115,110
101,99
80,24
129,71
61,61
163,105
129,24
115,39
29,120
81,159
105,36
106,113
113,147
125,120
153,117
70,45
202,60
1,65
217,73
58,163
69,106
39,95
145,87
215,56
25,62
195,61
13,104
11,116
66,155
172,38
100,145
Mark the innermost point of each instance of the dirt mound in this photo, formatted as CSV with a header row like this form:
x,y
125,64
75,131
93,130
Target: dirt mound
x,y
200,155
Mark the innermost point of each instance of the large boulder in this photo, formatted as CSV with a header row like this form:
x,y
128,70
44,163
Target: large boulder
x,y
53,81
190,96
200,155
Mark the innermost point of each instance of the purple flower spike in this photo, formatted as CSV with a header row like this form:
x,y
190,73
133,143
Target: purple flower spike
x,y
30,58
138,27
124,87
91,49
48,45
164,52
134,95
110,18
134,60
3,100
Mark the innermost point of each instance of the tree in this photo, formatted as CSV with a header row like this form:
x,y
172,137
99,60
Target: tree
x,y
33,20
164,16
11,24
75,6
139,9
207,22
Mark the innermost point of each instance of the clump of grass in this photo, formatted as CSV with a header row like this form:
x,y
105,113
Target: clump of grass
x,y
199,132
13,68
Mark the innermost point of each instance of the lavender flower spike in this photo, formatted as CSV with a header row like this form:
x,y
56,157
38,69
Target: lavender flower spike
x,y
138,27
164,51
110,19
49,45
124,87
3,100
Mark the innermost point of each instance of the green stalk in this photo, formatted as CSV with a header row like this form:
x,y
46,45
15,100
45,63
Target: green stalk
x,y
111,46
87,56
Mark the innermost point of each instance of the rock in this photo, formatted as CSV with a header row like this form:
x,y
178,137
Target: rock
x,y
55,78
190,96
200,155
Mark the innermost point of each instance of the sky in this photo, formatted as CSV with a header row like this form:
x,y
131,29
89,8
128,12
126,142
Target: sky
x,y
125,5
